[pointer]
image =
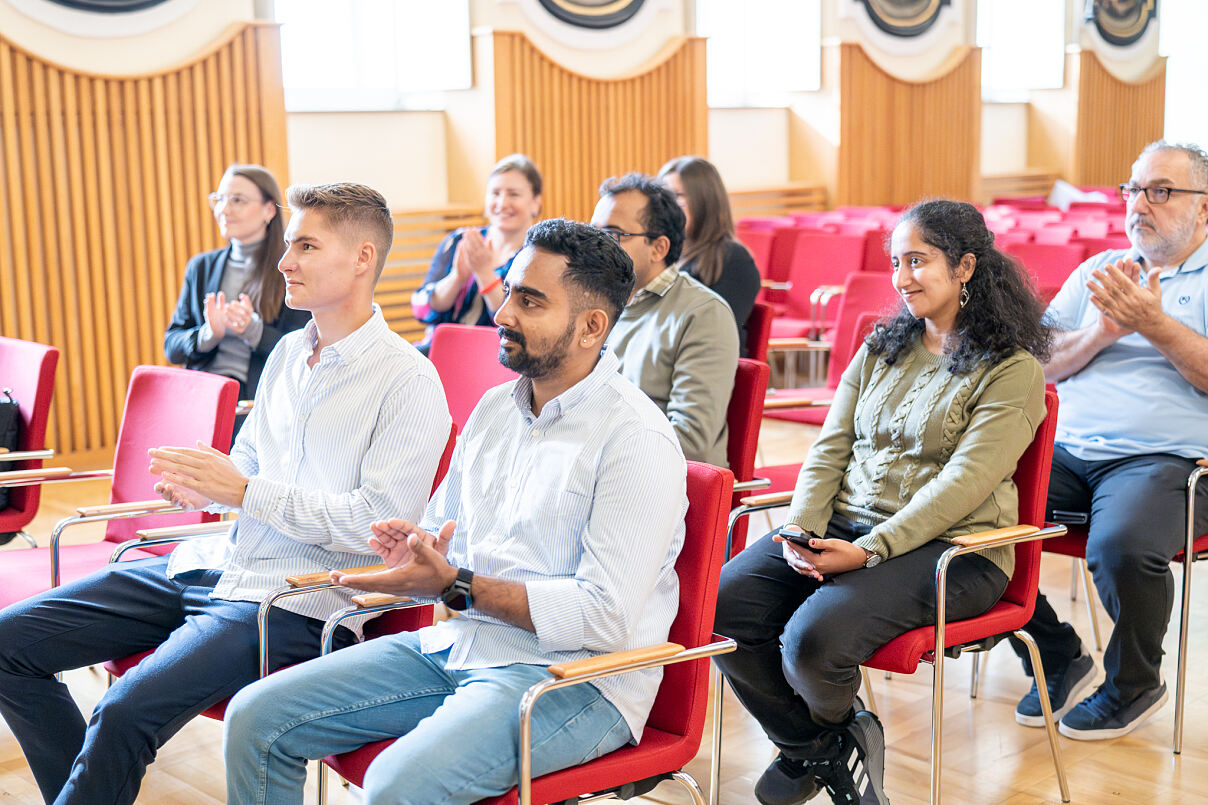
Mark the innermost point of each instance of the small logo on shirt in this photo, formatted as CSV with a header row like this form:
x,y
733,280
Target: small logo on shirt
x,y
1184,299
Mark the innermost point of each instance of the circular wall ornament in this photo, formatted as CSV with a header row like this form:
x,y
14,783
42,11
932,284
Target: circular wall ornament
x,y
104,18
1121,22
594,14
905,18
108,6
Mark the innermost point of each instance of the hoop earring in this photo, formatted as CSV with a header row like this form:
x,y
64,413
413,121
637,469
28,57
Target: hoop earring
x,y
964,297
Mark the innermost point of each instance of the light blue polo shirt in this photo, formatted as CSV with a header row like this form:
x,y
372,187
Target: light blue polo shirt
x,y
1129,399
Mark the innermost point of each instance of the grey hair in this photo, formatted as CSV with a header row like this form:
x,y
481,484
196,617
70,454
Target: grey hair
x,y
1197,155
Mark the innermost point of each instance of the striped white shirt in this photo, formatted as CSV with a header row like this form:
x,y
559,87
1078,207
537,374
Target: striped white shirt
x,y
585,505
328,450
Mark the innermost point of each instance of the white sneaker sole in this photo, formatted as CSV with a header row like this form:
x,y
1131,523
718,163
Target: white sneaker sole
x,y
1103,735
1076,695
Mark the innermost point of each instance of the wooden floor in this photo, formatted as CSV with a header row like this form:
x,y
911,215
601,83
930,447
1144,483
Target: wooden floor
x,y
988,758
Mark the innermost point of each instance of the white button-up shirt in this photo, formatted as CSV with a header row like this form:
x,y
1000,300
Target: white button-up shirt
x,y
328,450
585,506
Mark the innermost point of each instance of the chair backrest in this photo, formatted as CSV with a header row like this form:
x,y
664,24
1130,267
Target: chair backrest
x,y
1048,263
876,256
166,406
744,416
759,330
679,707
759,244
467,359
1032,482
821,258
863,292
28,368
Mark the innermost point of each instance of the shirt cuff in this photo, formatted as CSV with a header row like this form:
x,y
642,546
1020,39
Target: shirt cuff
x,y
262,497
557,618
205,338
254,331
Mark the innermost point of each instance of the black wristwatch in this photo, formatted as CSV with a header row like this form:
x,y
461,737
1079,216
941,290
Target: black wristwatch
x,y
457,595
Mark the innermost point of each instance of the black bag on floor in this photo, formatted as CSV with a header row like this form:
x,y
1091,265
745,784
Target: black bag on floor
x,y
10,437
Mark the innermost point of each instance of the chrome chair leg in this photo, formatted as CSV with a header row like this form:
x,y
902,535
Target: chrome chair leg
x,y
1074,581
1043,689
685,779
27,538
870,698
719,687
1088,586
322,783
977,661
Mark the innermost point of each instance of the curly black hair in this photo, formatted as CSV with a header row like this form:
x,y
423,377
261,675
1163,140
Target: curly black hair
x,y
1003,313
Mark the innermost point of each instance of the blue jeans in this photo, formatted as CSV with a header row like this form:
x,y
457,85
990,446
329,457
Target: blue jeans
x,y
459,729
205,650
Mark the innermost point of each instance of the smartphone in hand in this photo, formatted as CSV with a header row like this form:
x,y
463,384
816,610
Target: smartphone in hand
x,y
798,538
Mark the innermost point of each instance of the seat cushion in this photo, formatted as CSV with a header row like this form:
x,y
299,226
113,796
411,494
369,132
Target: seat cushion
x,y
27,572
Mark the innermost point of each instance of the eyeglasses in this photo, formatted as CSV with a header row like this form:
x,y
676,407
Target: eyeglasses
x,y
617,234
234,200
1154,195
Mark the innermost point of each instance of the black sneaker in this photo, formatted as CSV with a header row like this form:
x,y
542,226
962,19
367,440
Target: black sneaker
x,y
786,782
1066,686
1100,716
857,775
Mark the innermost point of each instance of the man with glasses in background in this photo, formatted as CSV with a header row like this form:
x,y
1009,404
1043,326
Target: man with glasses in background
x,y
1130,360
676,338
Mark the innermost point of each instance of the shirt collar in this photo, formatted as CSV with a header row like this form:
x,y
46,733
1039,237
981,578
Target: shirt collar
x,y
353,345
659,285
522,393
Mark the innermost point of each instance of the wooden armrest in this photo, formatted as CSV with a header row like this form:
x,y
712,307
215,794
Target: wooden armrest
x,y
1203,462
244,407
26,455
324,576
789,403
614,659
111,509
368,600
986,537
192,530
3,450
44,474
784,344
771,498
775,285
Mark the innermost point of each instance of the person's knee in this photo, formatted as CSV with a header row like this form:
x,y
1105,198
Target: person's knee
x,y
1115,557
391,783
248,721
809,650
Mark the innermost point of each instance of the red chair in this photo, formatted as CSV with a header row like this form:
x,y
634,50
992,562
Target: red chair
x,y
1049,264
164,406
759,244
759,329
780,259
673,732
28,369
904,653
820,261
1056,233
876,255
744,416
467,359
1095,246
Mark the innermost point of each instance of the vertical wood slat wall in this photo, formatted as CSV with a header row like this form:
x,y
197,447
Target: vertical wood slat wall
x,y
1116,119
102,201
581,130
900,140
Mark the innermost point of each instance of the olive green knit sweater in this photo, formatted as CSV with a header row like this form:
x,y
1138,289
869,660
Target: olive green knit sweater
x,y
920,453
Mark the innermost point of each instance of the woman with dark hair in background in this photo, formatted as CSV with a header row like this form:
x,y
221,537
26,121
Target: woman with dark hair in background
x,y
711,252
919,447
465,281
231,311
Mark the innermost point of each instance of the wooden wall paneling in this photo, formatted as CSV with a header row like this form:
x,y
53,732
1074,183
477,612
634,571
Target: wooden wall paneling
x,y
900,140
1116,119
104,201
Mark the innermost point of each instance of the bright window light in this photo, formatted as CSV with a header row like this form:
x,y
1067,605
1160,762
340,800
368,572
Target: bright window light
x,y
1181,25
1023,47
760,50
373,54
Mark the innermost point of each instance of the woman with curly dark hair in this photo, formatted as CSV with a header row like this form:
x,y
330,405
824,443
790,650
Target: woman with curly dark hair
x,y
919,447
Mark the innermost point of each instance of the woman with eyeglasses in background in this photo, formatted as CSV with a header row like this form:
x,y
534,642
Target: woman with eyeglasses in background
x,y
712,254
231,311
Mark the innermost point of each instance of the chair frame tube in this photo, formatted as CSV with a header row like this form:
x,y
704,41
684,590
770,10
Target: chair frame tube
x,y
1185,612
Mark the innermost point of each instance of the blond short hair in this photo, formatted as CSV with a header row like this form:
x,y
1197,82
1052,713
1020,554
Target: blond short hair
x,y
357,209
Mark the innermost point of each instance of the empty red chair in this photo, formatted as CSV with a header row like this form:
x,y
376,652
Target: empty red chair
x,y
759,329
744,416
1012,237
759,244
1055,233
1095,246
1090,227
876,251
1049,264
164,406
467,359
819,259
28,369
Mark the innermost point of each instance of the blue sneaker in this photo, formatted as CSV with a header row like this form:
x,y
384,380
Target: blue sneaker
x,y
1100,716
1066,687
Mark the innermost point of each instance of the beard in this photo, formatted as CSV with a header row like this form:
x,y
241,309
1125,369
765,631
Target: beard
x,y
535,365
1159,246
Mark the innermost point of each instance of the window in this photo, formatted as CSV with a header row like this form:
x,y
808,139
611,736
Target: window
x,y
760,50
373,54
1023,47
1181,26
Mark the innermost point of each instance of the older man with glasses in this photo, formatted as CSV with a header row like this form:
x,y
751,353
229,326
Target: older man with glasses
x,y
1131,368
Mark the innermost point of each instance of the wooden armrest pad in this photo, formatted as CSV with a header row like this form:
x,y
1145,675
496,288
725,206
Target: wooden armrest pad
x,y
775,285
109,509
7,455
985,537
614,659
368,600
1203,462
324,576
768,499
776,344
244,407
789,403
44,474
191,530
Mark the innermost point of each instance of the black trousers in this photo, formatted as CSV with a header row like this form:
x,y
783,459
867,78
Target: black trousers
x,y
800,642
1137,509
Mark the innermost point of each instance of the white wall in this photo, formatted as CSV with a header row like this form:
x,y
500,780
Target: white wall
x,y
1004,144
750,147
399,154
